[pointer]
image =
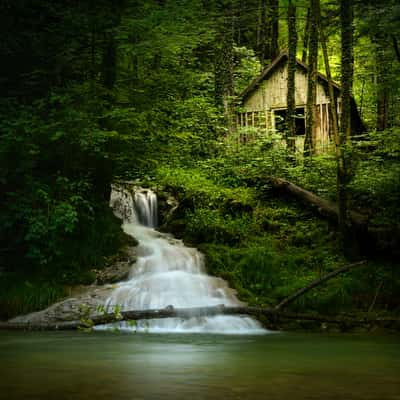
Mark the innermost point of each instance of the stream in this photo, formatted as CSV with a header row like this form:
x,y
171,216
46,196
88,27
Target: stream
x,y
105,365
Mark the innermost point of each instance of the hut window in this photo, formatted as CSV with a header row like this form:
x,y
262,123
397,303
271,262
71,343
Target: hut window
x,y
281,124
280,120
249,119
256,119
300,122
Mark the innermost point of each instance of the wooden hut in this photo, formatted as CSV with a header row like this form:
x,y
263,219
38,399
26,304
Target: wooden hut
x,y
263,103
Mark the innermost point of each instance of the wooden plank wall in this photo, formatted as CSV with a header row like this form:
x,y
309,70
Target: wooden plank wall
x,y
258,108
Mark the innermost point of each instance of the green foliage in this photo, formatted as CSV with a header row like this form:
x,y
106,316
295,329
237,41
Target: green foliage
x,y
375,184
20,296
249,154
195,184
268,248
208,225
248,66
55,176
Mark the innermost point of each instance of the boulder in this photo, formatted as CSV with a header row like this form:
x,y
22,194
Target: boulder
x,y
119,270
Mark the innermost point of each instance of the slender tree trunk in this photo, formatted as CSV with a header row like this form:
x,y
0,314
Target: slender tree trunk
x,y
347,61
309,141
223,73
382,106
383,86
263,45
268,31
306,37
109,56
92,51
109,63
340,160
274,28
291,88
396,47
360,111
240,14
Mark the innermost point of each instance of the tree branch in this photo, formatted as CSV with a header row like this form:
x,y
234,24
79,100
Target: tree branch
x,y
317,282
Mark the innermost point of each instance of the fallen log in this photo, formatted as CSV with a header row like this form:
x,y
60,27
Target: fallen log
x,y
317,282
325,207
385,239
271,314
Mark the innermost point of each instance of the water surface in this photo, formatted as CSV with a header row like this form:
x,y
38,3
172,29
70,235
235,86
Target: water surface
x,y
103,365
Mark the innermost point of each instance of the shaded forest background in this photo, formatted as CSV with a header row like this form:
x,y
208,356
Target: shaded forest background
x,y
96,91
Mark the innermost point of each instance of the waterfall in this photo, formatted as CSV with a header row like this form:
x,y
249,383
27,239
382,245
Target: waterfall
x,y
146,207
167,273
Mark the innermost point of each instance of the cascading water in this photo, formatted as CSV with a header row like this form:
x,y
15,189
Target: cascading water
x,y
167,273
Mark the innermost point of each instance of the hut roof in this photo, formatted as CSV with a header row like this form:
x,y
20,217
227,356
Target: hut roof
x,y
267,71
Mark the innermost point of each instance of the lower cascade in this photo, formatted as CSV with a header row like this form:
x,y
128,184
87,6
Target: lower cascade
x,y
167,273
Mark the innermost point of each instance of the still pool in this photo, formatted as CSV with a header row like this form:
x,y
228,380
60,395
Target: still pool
x,y
104,365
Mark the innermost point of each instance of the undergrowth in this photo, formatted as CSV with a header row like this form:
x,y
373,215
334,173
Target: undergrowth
x,y
268,247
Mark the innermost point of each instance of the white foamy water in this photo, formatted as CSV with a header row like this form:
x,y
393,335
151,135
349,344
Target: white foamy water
x,y
167,273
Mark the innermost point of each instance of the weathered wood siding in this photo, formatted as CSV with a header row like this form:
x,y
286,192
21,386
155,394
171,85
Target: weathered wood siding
x,y
271,94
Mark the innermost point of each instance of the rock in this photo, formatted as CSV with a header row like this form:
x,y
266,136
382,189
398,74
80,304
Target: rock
x,y
86,300
72,308
167,206
118,270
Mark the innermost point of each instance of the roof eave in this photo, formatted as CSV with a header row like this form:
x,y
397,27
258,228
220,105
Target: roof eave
x,y
263,75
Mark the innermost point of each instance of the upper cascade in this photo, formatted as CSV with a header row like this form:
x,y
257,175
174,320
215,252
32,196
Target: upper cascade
x,y
146,207
167,273
141,208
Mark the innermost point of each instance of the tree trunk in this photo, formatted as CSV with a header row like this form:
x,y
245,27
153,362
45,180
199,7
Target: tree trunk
x,y
306,37
109,63
396,47
383,85
92,50
347,62
268,31
382,109
274,29
309,141
291,89
263,45
340,160
347,67
223,73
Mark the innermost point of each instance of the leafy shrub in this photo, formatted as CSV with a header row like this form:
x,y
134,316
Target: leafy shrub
x,y
208,226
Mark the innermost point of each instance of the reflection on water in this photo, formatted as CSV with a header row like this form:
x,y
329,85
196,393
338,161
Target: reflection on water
x,y
125,366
